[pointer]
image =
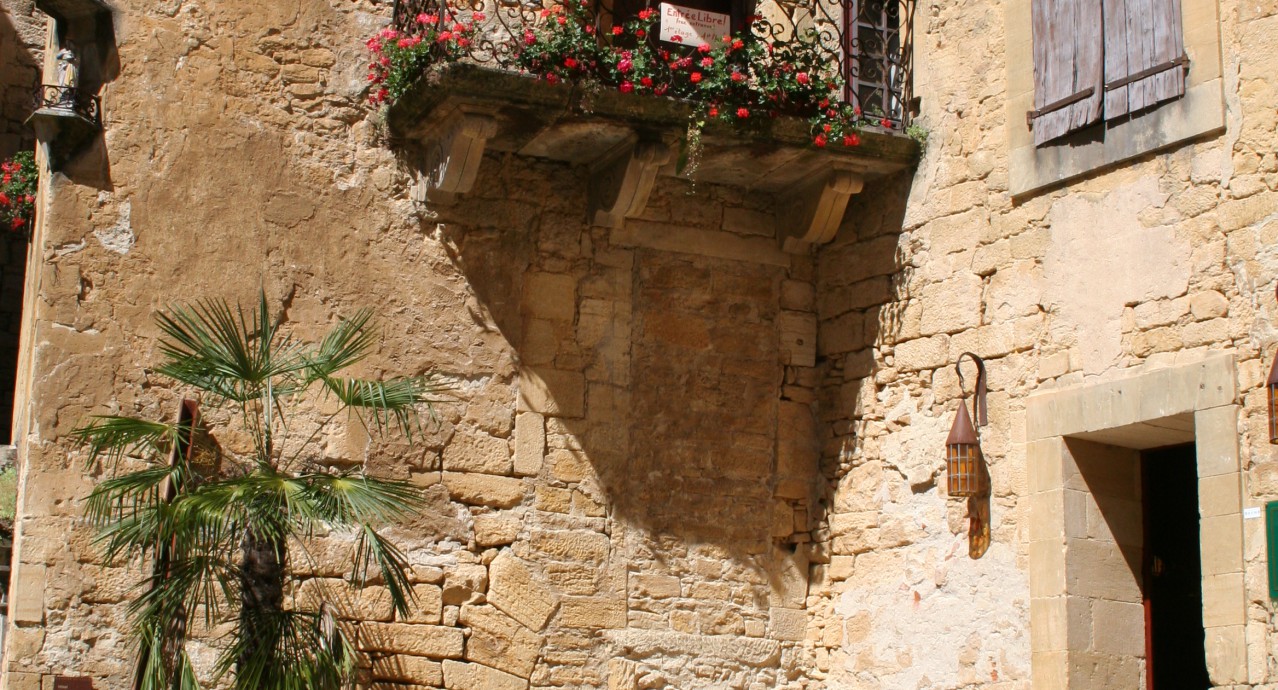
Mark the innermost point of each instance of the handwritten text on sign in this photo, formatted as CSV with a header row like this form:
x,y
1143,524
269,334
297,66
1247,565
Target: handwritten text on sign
x,y
692,26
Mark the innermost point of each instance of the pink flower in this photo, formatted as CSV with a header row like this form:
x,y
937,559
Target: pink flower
x,y
529,38
738,44
4,199
852,140
624,65
661,89
645,13
29,199
445,36
856,110
562,20
18,222
424,18
552,78
886,123
616,30
801,77
743,113
677,38
626,87
707,61
479,16
545,13
703,48
404,43
737,76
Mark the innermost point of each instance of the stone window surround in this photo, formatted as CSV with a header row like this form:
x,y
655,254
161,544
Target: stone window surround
x,y
1199,113
1106,412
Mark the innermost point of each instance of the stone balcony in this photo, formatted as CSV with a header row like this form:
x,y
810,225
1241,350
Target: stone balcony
x,y
459,111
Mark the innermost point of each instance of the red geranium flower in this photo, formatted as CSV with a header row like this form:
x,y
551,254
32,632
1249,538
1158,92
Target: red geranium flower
x,y
646,81
707,61
743,113
677,38
886,123
626,87
645,13
703,48
820,141
714,112
4,199
695,77
570,63
852,140
737,76
640,33
801,77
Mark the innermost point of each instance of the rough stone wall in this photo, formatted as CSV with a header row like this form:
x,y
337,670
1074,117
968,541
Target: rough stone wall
x,y
1153,263
617,497
22,32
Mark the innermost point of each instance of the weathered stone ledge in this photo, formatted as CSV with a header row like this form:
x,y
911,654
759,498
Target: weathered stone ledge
x,y
459,111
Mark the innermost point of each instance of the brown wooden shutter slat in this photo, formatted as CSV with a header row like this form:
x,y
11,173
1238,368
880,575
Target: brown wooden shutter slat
x,y
1068,49
1140,37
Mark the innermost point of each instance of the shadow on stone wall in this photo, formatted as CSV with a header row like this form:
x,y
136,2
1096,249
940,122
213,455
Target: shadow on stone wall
x,y
21,72
666,398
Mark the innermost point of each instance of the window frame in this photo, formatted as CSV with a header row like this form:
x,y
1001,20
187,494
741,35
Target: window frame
x,y
1199,113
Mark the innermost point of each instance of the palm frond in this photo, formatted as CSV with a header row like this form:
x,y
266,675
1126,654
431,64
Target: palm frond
x,y
226,353
350,499
123,496
288,650
115,437
373,548
393,401
348,342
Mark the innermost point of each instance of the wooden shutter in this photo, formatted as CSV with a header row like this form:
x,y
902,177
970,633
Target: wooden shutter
x,y
1068,66
1144,54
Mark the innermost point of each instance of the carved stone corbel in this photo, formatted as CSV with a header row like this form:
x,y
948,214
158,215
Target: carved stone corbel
x,y
451,161
621,184
816,213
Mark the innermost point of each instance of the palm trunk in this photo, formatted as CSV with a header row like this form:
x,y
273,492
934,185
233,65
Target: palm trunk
x,y
261,595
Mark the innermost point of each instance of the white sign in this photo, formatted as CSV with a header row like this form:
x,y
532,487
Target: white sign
x,y
1252,513
692,26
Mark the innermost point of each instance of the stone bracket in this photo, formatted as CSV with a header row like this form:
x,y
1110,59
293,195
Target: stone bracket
x,y
815,215
451,161
621,184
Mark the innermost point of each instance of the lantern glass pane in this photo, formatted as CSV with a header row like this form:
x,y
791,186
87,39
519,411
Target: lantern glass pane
x,y
965,476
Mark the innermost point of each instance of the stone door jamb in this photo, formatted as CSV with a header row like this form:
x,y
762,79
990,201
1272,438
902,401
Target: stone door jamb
x,y
1207,390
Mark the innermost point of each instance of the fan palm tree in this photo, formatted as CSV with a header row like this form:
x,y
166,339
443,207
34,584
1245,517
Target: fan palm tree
x,y
219,538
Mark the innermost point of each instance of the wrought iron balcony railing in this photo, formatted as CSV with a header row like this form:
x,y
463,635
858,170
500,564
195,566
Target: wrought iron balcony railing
x,y
51,99
869,40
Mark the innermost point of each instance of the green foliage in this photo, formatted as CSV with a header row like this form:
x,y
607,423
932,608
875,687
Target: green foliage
x,y
220,539
918,133
8,493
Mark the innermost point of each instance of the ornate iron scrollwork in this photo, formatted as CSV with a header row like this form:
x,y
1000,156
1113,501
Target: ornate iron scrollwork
x,y
54,99
870,39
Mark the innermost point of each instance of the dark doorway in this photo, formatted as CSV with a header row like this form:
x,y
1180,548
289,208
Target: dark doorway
x,y
1172,572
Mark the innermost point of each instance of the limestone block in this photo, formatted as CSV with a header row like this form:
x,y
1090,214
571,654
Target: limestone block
x,y
922,353
552,393
496,529
622,675
750,652
798,333
27,593
463,583
655,586
476,451
499,641
408,669
530,443
436,642
593,613
1224,600
953,305
581,547
1216,440
550,296
514,589
463,676
787,624
570,466
18,680
1118,628
484,489
427,605
1226,654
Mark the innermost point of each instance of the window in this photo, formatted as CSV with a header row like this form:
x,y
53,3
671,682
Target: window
x,y
1141,101
1102,59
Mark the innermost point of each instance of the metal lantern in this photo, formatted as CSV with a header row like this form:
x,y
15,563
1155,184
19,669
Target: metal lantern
x,y
965,465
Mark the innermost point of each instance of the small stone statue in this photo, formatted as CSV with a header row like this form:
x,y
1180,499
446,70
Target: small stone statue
x,y
68,75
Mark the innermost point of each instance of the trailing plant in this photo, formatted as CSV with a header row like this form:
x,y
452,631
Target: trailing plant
x,y
738,81
220,536
400,58
18,179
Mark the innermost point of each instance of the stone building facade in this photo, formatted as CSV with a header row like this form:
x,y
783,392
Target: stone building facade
x,y
678,456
